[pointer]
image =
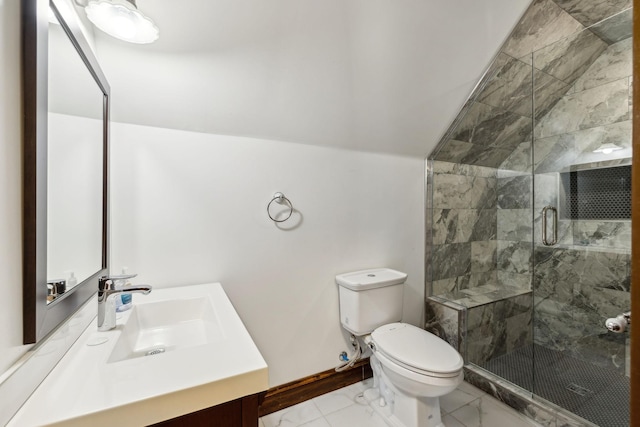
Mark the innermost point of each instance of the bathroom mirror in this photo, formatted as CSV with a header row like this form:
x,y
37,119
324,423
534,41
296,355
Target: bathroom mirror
x,y
66,135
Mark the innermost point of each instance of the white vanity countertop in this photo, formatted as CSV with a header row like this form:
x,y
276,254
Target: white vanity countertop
x,y
84,389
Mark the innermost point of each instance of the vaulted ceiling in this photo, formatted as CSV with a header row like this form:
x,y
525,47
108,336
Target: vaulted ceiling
x,y
371,75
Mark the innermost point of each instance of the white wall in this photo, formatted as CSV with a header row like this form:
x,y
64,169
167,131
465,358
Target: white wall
x,y
191,208
11,347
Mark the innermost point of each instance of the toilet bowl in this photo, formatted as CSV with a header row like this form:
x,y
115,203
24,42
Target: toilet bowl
x,y
412,368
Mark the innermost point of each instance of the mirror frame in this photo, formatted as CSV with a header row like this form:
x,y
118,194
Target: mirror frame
x,y
40,318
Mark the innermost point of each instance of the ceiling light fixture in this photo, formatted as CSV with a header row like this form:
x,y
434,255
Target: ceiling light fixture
x,y
607,149
122,20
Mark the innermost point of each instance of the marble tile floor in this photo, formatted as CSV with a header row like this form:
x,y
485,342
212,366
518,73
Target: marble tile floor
x,y
467,406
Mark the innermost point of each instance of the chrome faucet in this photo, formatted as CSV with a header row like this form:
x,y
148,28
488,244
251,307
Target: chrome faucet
x,y
619,323
106,294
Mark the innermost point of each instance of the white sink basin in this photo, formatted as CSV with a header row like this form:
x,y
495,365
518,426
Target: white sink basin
x,y
209,359
158,327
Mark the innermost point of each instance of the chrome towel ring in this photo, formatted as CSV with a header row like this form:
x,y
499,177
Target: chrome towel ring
x,y
280,199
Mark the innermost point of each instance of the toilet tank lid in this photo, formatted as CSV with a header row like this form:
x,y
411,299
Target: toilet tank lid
x,y
371,279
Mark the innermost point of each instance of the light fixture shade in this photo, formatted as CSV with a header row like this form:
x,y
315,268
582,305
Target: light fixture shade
x,y
122,20
607,149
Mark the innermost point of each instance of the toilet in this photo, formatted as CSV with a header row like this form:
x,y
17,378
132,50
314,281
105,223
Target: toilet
x,y
411,367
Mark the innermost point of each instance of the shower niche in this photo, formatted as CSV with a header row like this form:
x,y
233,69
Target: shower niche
x,y
596,194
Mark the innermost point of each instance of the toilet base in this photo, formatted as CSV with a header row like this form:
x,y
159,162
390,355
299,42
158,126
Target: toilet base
x,y
399,408
425,415
417,412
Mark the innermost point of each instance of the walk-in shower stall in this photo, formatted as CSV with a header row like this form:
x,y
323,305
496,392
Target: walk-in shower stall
x,y
529,217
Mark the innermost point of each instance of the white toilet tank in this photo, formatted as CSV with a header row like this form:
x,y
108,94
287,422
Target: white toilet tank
x,y
370,298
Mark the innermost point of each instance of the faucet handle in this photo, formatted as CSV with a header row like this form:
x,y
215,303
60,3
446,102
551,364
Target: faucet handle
x,y
106,282
121,276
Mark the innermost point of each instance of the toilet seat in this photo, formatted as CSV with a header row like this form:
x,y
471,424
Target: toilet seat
x,y
417,350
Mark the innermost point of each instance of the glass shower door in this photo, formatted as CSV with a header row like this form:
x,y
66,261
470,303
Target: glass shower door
x,y
582,221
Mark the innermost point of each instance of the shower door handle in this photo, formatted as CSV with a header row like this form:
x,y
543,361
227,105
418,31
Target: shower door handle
x,y
545,240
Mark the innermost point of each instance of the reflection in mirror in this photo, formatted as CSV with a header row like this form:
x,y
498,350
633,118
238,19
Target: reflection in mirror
x,y
74,162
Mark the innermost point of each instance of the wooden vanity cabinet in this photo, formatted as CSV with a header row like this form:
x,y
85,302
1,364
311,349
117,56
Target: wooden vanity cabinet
x,y
241,412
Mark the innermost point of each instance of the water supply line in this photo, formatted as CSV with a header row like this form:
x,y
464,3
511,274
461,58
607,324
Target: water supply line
x,y
350,361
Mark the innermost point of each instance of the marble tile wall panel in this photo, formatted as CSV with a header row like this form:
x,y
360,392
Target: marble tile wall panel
x,y
519,330
452,285
616,28
444,321
555,153
486,156
515,257
493,127
446,286
451,260
519,280
514,224
562,327
519,161
604,234
499,327
570,57
559,153
543,23
588,140
575,290
508,173
614,63
483,256
510,88
499,310
591,12
564,273
461,237
463,192
548,92
452,151
545,190
472,154
485,227
515,192
601,105
463,225
486,342
603,349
